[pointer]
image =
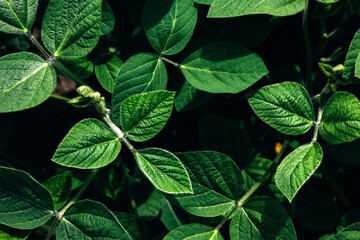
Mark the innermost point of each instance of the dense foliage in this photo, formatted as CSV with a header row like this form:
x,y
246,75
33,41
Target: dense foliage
x,y
179,119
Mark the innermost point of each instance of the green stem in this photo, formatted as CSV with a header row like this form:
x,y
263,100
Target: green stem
x,y
241,202
307,46
65,99
169,61
38,45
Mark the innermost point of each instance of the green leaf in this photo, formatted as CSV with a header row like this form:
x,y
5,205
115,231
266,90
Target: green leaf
x,y
169,217
205,2
143,72
107,182
194,231
26,80
235,8
71,28
262,218
223,68
350,61
357,67
24,203
169,25
287,107
341,118
90,220
164,170
133,224
144,115
216,180
107,19
297,168
148,201
80,67
7,233
59,187
89,144
350,233
106,72
17,16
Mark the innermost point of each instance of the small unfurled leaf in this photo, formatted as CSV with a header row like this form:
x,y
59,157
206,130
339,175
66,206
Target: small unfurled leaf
x,y
287,107
133,224
326,69
90,220
341,118
107,19
350,61
71,28
194,231
24,203
262,218
7,233
17,16
169,24
352,232
89,144
106,72
143,72
59,187
26,80
164,170
235,8
216,180
144,115
223,68
297,168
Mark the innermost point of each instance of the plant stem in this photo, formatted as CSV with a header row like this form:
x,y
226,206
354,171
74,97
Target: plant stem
x,y
38,45
65,99
169,61
240,203
307,46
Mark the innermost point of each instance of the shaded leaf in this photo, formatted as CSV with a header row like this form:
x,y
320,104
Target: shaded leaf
x,y
169,217
351,56
7,233
133,224
59,187
106,72
194,231
352,232
107,19
80,67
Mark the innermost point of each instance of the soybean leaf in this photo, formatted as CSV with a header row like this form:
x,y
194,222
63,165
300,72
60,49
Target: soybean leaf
x,y
352,54
106,72
235,8
144,115
341,118
169,25
107,182
148,201
7,233
287,107
26,80
357,67
217,184
194,231
133,224
352,232
89,144
17,16
223,68
90,220
297,168
262,218
24,203
107,19
164,170
80,67
71,28
59,187
143,72
169,217
205,2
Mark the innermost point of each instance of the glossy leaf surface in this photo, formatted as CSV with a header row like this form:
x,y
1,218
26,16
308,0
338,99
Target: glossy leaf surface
x,y
90,220
17,16
194,231
164,170
169,25
341,118
297,168
143,72
351,56
144,115
107,72
26,80
71,28
235,8
24,203
223,68
216,180
262,218
287,107
89,144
